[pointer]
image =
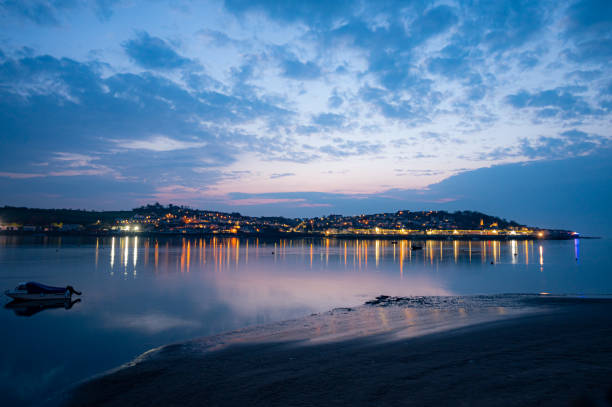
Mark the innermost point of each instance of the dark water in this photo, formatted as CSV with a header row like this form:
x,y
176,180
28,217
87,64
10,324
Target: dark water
x,y
140,293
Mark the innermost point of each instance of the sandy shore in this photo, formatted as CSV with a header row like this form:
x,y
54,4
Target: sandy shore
x,y
485,351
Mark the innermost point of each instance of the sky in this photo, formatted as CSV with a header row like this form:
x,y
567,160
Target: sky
x,y
309,108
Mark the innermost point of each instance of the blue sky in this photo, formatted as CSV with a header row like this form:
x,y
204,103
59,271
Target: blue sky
x,y
307,108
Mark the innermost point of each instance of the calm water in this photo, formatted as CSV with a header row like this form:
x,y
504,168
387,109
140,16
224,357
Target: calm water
x,y
140,293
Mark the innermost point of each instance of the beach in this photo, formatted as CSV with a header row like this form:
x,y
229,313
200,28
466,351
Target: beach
x,y
503,350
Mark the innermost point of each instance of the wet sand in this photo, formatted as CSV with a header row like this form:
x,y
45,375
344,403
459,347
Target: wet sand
x,y
505,351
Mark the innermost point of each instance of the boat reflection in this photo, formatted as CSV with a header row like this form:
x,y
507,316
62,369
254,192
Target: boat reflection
x,y
29,308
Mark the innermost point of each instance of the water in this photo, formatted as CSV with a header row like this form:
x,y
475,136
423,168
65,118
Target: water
x,y
139,293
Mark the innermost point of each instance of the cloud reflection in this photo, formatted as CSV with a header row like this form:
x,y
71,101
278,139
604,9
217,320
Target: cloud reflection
x,y
153,323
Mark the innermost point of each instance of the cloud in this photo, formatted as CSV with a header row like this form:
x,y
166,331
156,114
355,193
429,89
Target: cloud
x,y
20,175
159,143
398,42
420,155
596,50
551,102
403,142
81,172
104,8
314,205
511,24
329,120
91,192
346,148
174,193
390,108
262,201
42,12
75,164
570,143
307,129
293,67
335,101
296,69
316,13
439,138
574,193
282,175
588,26
154,53
401,172
70,165
432,22
454,67
275,148
384,75
74,159
218,38
585,75
589,17
279,201
529,59
122,118
50,12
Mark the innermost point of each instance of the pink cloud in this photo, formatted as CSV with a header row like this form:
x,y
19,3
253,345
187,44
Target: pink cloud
x,y
263,201
20,175
313,205
174,193
444,200
75,173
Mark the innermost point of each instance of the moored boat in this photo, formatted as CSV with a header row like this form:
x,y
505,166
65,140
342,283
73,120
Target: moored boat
x,y
33,291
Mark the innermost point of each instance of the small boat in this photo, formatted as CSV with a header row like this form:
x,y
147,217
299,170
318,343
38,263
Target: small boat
x,y
414,247
394,242
33,291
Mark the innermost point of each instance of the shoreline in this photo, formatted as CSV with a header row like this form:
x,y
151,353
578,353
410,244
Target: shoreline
x,y
359,354
297,235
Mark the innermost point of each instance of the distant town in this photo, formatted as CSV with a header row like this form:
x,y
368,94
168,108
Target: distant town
x,y
173,219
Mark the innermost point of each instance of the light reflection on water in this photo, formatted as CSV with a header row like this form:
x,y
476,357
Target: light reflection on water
x,y
141,292
225,253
